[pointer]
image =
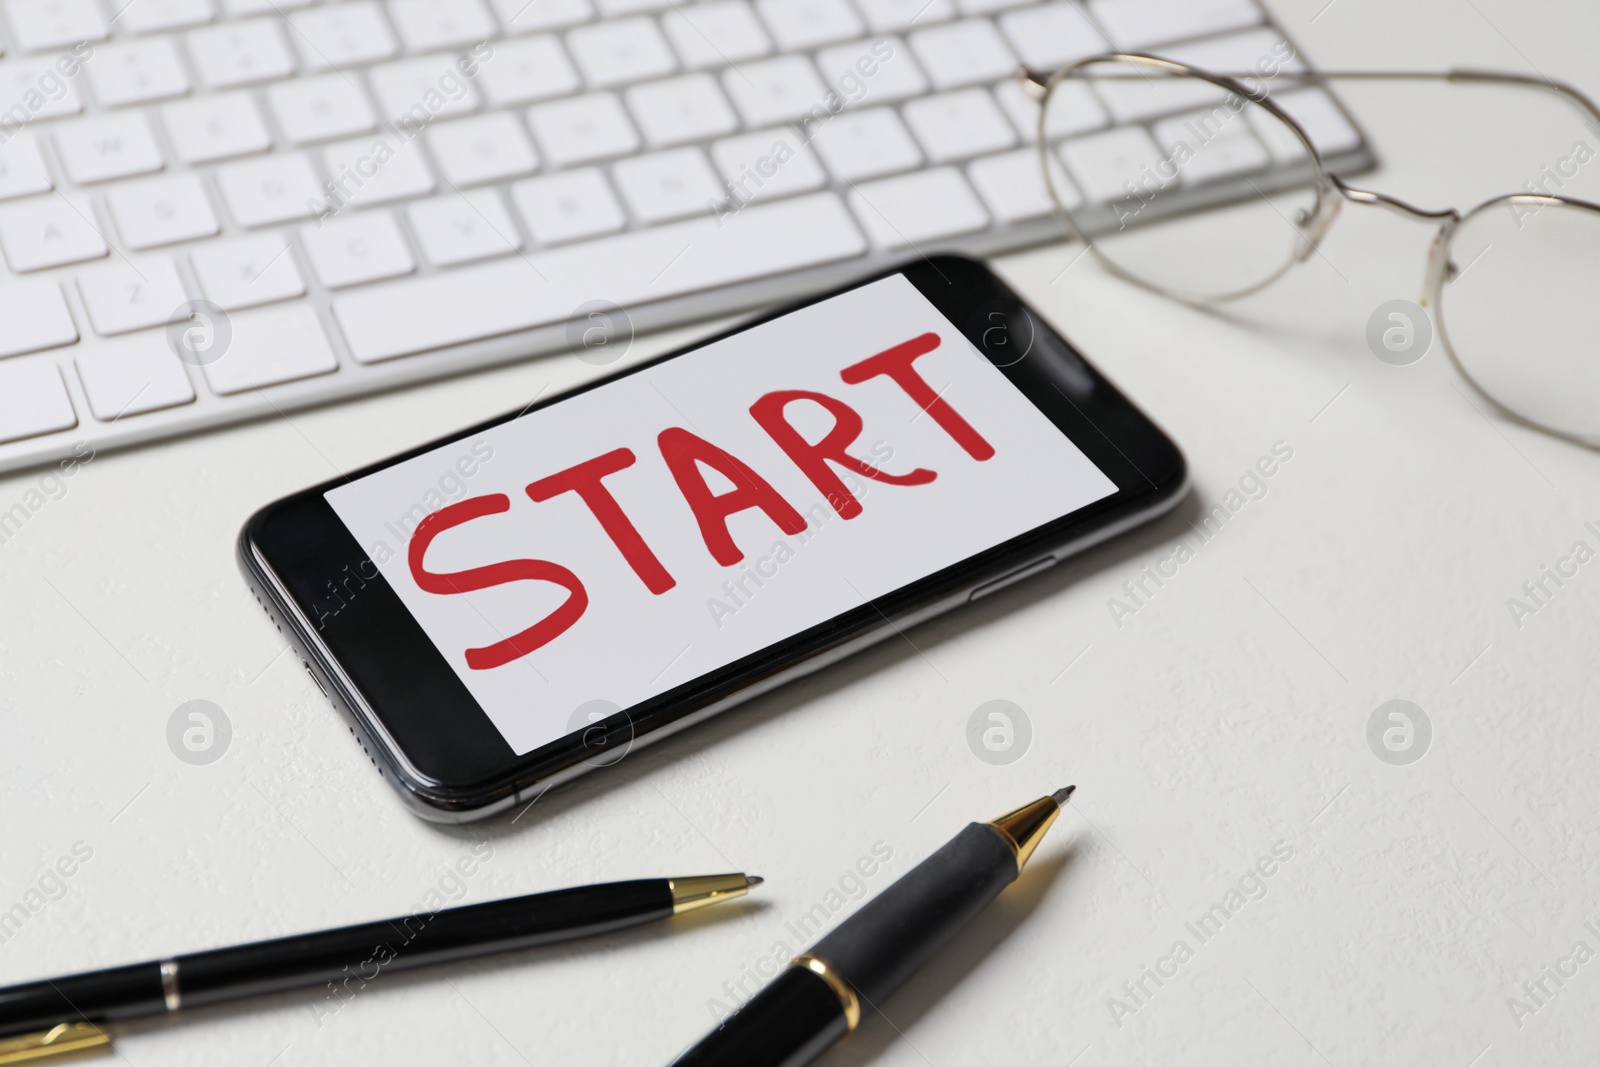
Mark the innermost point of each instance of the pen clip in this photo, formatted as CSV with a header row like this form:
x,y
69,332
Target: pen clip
x,y
57,1041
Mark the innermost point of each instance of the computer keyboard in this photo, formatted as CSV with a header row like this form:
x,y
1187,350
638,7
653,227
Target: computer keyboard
x,y
314,201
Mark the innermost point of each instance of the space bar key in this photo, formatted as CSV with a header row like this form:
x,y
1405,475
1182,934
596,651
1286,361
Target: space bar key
x,y
547,287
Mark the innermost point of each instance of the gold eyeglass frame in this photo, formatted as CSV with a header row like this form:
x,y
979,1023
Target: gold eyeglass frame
x,y
1331,191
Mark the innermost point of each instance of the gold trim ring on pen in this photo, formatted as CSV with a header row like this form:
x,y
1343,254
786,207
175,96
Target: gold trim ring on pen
x,y
841,988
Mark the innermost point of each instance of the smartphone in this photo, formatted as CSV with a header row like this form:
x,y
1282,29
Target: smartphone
x,y
521,602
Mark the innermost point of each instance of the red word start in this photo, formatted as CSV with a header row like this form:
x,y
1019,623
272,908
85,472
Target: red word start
x,y
685,453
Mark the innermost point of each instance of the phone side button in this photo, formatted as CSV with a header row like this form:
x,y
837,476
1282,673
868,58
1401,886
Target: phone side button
x,y
320,687
1038,566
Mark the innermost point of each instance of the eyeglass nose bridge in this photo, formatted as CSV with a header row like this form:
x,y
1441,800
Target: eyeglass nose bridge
x,y
1440,268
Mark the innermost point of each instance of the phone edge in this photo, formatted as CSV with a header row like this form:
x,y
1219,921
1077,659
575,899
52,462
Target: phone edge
x,y
436,807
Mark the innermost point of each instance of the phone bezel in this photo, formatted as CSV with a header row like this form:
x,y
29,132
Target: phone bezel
x,y
374,661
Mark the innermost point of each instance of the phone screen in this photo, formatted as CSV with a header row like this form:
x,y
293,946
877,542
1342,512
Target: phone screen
x,y
615,544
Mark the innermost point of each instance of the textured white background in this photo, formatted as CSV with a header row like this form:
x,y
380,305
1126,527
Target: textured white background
x,y
1218,720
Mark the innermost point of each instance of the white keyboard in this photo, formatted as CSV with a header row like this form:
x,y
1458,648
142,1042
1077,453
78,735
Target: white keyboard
x,y
376,193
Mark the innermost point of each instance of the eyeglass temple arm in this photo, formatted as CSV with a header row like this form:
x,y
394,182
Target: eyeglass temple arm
x,y
1573,95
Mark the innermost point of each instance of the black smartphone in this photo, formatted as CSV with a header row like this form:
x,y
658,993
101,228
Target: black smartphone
x,y
518,603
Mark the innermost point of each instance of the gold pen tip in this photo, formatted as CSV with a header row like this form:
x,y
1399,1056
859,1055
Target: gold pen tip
x,y
1023,828
753,880
697,892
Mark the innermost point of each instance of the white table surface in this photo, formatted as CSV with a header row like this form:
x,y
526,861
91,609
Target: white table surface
x,y
1227,715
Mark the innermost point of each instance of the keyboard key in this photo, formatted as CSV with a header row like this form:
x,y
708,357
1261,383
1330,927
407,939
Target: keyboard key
x,y
877,71
265,191
895,16
376,170
269,347
715,34
320,107
461,227
35,316
362,246
242,8
621,52
680,110
22,169
1280,140
1217,147
154,16
1262,49
1052,35
1073,109
914,209
583,128
1324,122
667,185
528,16
335,36
613,8
1013,189
428,24
988,7
240,53
567,206
1139,24
1138,99
544,288
40,25
803,24
417,91
247,271
867,144
963,53
130,295
959,125
133,72
775,90
766,165
133,376
103,147
161,211
47,232
209,128
1114,164
521,72
33,399
484,148
20,80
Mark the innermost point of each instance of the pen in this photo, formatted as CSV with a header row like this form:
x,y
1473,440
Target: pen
x,y
61,1014
818,997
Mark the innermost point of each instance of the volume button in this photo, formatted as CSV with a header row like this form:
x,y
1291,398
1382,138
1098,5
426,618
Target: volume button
x,y
320,687
1038,566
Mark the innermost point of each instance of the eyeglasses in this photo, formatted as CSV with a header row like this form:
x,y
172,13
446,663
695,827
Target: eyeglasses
x,y
1519,274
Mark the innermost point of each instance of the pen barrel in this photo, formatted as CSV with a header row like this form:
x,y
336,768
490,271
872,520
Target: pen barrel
x,y
870,955
347,961
888,938
344,961
788,1023
119,993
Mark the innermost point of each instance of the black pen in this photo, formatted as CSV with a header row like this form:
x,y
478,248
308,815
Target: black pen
x,y
61,1014
819,996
